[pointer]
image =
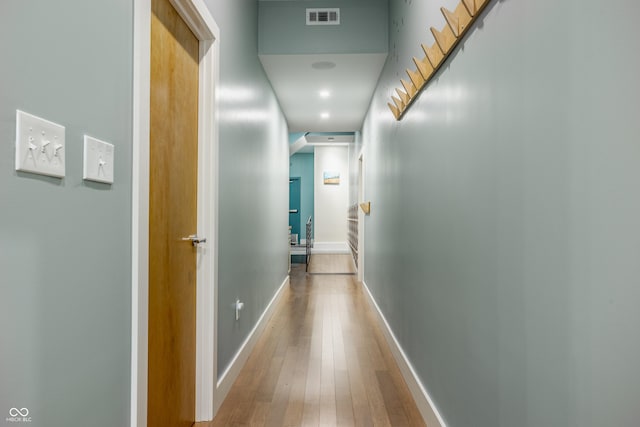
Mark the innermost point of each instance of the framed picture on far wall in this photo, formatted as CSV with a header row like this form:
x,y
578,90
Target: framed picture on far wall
x,y
331,178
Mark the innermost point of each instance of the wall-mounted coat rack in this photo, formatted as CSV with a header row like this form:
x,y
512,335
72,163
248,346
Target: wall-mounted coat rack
x,y
457,24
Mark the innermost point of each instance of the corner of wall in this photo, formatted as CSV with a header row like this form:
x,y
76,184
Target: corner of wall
x,y
230,375
423,400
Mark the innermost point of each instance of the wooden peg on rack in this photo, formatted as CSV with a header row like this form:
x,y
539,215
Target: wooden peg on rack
x,y
409,87
401,105
477,5
452,21
403,96
445,39
394,110
424,67
434,55
458,20
416,78
471,6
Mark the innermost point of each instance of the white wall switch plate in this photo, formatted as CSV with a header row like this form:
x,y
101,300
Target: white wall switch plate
x,y
98,160
40,145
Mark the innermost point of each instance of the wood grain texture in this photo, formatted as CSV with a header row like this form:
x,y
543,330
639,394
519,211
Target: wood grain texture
x,y
398,102
416,78
458,20
173,215
322,361
403,95
433,54
424,67
445,39
326,263
409,87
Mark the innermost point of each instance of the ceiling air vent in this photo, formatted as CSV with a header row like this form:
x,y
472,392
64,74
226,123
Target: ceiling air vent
x,y
323,16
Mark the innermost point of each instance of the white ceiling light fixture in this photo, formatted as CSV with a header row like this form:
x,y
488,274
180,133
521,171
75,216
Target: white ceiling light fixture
x,y
324,93
324,115
323,65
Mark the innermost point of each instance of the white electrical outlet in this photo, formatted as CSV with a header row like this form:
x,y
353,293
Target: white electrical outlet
x,y
239,305
40,145
98,160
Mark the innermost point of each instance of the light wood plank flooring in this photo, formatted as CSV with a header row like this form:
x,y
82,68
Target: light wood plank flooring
x,y
331,264
321,361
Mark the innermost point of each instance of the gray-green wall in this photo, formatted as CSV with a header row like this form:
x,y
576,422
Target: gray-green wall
x,y
355,150
254,177
65,259
503,244
363,27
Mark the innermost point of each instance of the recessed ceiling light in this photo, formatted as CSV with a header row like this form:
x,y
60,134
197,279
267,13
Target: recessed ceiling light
x,y
324,93
323,65
324,115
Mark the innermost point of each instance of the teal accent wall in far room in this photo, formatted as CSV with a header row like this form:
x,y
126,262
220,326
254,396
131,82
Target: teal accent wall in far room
x,y
301,165
294,136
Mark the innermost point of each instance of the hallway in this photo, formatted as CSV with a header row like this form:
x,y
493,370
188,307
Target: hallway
x,y
321,360
498,229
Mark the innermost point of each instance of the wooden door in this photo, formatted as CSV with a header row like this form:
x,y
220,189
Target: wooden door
x,y
172,216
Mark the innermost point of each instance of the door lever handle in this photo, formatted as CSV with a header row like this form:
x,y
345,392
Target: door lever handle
x,y
195,240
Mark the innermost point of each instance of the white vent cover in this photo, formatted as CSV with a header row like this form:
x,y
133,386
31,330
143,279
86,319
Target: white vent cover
x,y
323,16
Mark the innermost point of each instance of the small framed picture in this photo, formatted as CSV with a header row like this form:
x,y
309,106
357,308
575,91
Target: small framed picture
x,y
331,178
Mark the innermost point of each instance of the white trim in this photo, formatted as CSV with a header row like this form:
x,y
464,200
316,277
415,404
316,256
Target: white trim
x,y
197,16
298,251
298,145
361,214
330,248
140,212
424,402
231,373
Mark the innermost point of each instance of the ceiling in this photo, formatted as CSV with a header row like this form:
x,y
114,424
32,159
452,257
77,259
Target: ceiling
x,y
324,92
307,142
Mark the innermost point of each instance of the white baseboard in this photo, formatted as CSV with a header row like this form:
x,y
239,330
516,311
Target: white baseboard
x,y
231,373
330,248
424,402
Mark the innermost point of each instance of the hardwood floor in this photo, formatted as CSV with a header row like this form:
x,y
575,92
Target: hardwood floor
x,y
332,264
321,361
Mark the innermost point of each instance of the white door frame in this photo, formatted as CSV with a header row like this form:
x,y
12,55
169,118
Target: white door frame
x,y
197,16
361,216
